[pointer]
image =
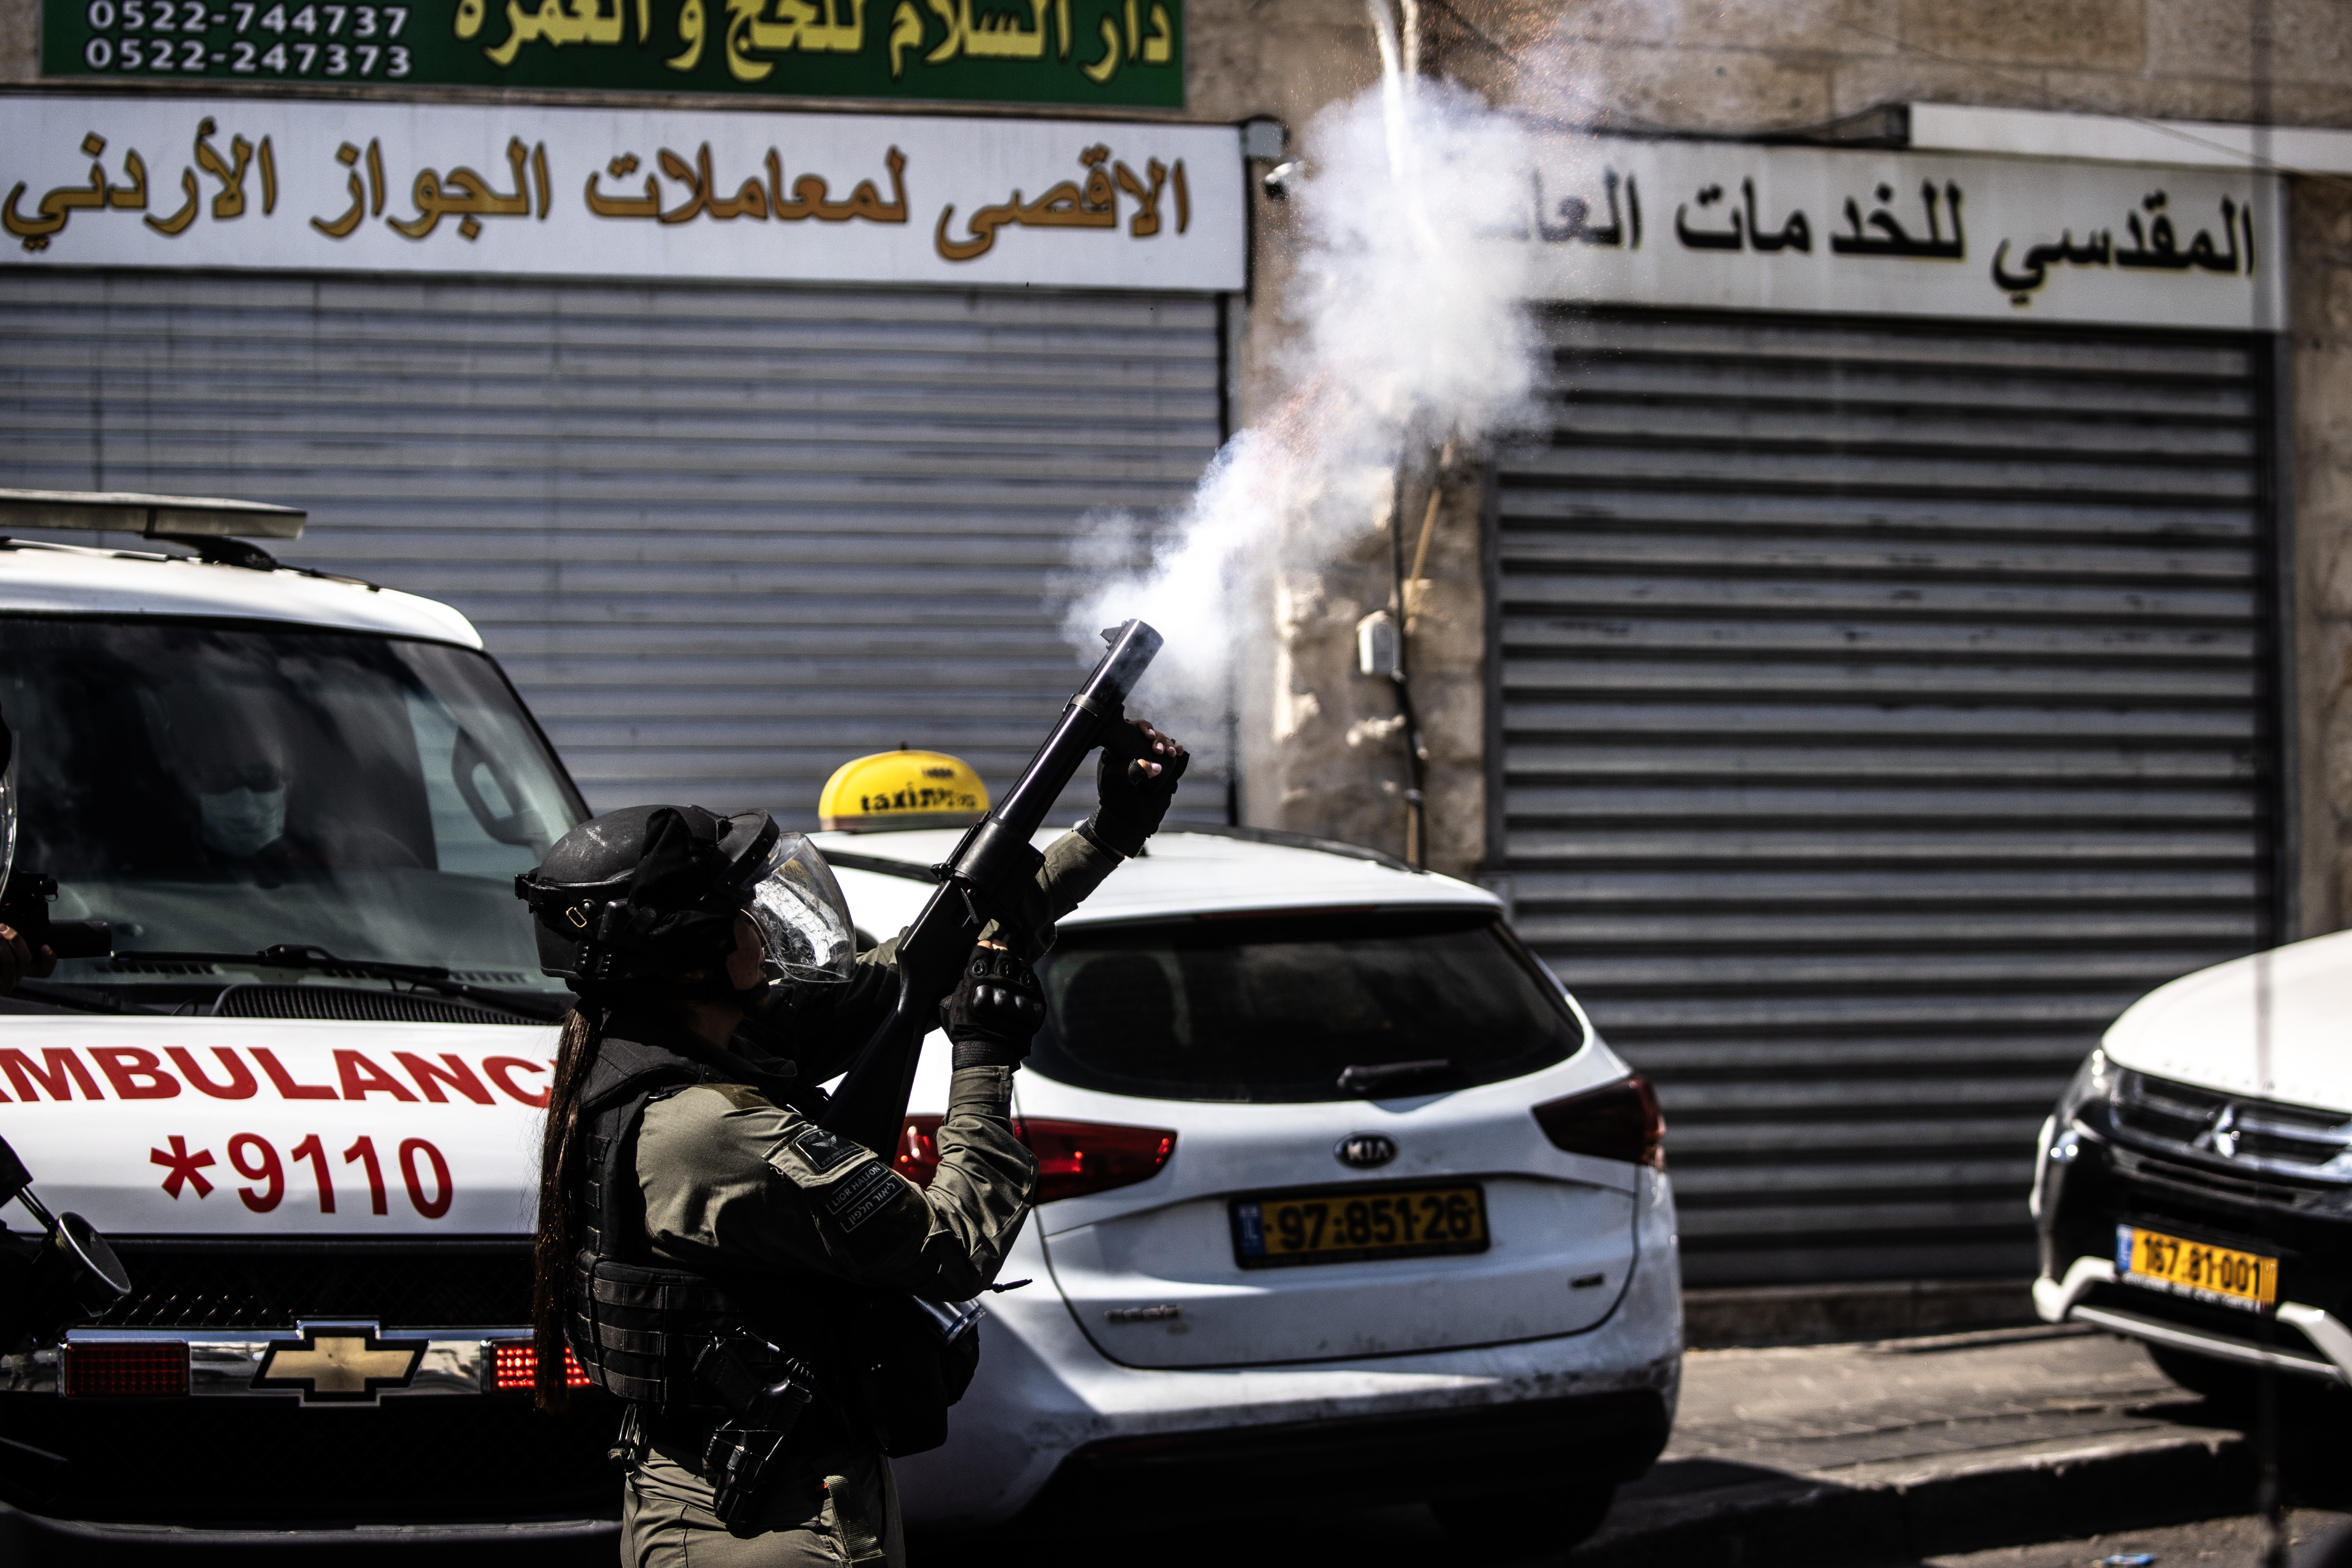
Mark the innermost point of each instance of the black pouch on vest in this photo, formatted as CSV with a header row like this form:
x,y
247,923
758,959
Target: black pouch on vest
x,y
913,1359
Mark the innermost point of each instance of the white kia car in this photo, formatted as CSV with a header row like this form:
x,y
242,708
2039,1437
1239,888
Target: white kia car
x,y
1341,1194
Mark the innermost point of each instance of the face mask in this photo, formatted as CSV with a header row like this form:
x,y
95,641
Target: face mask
x,y
241,822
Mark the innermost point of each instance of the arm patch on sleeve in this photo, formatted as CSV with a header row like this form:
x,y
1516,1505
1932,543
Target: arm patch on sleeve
x,y
823,1150
861,1195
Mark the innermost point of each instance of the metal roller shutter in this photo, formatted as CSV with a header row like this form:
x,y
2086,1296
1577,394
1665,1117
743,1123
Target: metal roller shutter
x,y
1883,707
723,537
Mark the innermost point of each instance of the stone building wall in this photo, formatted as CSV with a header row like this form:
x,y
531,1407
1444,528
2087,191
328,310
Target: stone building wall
x,y
20,39
1751,66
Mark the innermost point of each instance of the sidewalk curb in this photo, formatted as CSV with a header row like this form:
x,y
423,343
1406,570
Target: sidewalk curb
x,y
1987,1503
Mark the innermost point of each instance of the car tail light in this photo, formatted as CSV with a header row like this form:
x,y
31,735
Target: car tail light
x,y
150,1370
1616,1121
514,1366
918,1150
1073,1158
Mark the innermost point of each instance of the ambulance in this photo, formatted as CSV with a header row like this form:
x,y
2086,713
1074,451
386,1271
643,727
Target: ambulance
x,y
300,1096
1341,1191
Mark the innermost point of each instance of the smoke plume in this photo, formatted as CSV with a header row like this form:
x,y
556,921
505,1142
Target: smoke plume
x,y
1405,329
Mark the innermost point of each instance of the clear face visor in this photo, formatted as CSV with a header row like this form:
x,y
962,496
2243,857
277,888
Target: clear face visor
x,y
803,918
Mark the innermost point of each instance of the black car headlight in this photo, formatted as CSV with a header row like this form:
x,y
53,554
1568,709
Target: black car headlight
x,y
2061,1140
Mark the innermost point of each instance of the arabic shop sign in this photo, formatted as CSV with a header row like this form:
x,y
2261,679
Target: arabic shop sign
x,y
1127,53
386,187
1745,227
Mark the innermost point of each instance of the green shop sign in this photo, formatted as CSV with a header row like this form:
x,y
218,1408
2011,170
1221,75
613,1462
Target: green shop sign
x,y
1127,53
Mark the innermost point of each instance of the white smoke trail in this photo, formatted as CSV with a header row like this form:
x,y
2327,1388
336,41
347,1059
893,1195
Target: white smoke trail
x,y
1408,330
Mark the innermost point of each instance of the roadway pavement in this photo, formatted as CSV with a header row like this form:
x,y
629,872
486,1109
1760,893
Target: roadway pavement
x,y
1897,1450
2241,1541
1873,1454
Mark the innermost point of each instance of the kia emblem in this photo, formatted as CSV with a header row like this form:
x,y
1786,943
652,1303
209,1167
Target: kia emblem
x,y
1365,1149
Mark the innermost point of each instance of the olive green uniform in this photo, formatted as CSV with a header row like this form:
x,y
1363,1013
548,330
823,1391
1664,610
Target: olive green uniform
x,y
727,1188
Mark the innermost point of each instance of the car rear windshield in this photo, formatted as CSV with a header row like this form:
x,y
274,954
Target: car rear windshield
x,y
1277,1008
225,787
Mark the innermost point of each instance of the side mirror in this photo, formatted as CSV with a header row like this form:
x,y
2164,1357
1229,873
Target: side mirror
x,y
74,1277
24,905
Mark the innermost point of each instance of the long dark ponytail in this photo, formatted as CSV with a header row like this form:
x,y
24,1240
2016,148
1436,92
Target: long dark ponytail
x,y
559,1161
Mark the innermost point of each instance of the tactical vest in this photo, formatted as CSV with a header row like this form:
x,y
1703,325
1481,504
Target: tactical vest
x,y
636,1325
885,1374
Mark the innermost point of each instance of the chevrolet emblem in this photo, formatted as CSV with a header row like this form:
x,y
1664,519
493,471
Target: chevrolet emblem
x,y
339,1363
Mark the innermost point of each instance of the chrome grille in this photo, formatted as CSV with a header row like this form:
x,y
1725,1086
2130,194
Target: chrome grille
x,y
2296,1192
478,1287
2295,1143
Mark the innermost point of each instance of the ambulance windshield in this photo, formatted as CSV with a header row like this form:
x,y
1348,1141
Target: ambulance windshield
x,y
212,788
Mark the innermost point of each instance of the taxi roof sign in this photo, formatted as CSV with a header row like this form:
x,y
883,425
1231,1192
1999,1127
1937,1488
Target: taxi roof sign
x,y
905,788
157,517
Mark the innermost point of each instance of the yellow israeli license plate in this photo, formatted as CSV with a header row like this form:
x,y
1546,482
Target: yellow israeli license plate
x,y
2217,1274
1352,1225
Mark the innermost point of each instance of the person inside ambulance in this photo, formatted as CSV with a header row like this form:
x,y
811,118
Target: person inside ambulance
x,y
232,766
241,810
252,823
774,1303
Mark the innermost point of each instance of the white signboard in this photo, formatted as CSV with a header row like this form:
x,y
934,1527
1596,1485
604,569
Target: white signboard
x,y
1734,227
408,187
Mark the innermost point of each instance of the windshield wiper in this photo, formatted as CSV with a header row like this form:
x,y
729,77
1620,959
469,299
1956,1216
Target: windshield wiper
x,y
80,998
1371,1079
293,955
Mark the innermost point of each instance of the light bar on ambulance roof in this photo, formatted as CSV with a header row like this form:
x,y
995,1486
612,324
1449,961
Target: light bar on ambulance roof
x,y
156,517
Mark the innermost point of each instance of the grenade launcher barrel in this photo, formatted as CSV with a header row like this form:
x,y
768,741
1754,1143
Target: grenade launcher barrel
x,y
984,879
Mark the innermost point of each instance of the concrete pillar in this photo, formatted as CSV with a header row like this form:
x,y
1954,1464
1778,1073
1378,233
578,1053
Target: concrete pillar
x,y
2320,388
1324,751
20,31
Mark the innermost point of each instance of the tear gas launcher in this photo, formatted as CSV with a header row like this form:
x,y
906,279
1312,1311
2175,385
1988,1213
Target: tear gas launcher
x,y
992,875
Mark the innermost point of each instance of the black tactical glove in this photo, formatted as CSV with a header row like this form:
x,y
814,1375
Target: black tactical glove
x,y
995,1010
1130,799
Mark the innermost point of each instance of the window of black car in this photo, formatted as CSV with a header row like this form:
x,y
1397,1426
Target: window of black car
x,y
223,787
1276,1008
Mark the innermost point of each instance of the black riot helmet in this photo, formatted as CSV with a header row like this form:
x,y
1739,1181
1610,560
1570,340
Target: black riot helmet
x,y
632,902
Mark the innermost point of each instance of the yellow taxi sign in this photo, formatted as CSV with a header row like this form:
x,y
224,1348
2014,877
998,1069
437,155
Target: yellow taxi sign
x,y
902,789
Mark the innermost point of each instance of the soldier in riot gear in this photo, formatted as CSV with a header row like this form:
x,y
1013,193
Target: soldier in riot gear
x,y
782,1310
